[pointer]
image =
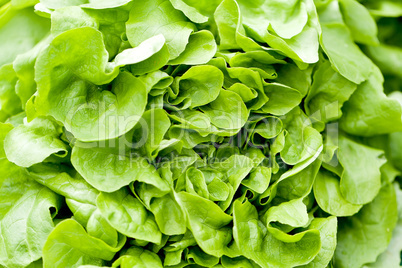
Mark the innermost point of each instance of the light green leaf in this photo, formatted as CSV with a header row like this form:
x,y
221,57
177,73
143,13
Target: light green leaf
x,y
392,256
136,257
361,176
238,262
5,128
33,142
70,245
105,4
235,169
291,76
108,171
9,101
200,49
149,133
261,246
14,181
150,55
364,236
300,184
168,215
128,216
259,179
25,227
387,58
231,31
301,47
58,180
209,225
200,84
267,127
359,21
287,19
308,166
369,111
329,197
98,227
71,17
395,142
328,229
204,7
24,66
25,29
292,213
81,211
192,13
88,110
302,140
347,59
149,18
282,99
227,111
328,93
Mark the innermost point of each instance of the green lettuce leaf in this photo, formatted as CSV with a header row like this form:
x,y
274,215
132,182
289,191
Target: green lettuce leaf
x,y
26,225
347,59
25,28
127,215
106,169
102,108
363,237
209,226
77,247
263,248
150,18
376,115
359,21
33,142
328,230
361,176
329,197
10,103
136,257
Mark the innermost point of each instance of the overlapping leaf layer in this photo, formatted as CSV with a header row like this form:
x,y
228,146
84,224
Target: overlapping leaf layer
x,y
183,133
